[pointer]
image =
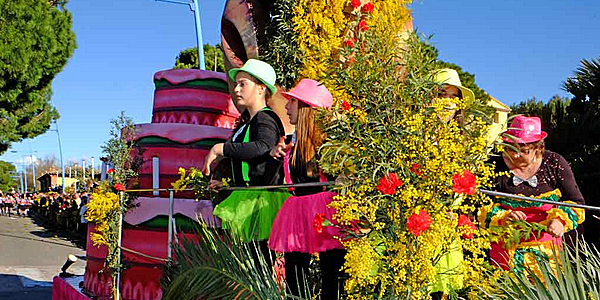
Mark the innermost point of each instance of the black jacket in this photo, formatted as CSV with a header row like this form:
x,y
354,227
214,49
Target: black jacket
x,y
265,130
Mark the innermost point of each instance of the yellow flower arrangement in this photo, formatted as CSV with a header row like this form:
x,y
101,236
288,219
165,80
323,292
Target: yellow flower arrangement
x,y
402,150
102,209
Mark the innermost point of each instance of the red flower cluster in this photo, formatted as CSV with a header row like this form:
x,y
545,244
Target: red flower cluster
x,y
464,183
368,8
110,171
318,222
389,183
362,25
345,106
415,169
119,187
463,220
349,43
418,222
355,3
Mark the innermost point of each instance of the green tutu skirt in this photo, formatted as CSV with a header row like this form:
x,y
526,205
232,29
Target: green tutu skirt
x,y
249,214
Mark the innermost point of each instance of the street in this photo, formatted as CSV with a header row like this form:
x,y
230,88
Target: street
x,y
30,256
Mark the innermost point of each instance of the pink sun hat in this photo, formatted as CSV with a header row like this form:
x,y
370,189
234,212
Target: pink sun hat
x,y
525,130
311,92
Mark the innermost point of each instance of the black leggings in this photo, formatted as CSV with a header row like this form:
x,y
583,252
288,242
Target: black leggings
x,y
332,279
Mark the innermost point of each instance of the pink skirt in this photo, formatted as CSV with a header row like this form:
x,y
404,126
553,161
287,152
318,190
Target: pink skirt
x,y
293,229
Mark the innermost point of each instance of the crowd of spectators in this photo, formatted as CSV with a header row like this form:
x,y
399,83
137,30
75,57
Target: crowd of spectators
x,y
58,212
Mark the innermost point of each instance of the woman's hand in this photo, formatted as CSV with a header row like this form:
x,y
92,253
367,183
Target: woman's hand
x,y
279,150
214,184
556,228
516,215
215,152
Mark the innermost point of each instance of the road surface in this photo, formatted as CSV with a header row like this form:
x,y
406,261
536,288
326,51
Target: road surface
x,y
30,256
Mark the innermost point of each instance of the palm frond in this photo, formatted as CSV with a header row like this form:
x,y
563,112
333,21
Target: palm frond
x,y
576,277
214,265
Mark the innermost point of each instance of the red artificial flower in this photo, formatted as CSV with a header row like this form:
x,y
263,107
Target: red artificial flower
x,y
418,222
349,43
110,171
119,187
362,25
464,183
415,169
368,8
355,3
351,60
318,222
463,220
345,106
389,183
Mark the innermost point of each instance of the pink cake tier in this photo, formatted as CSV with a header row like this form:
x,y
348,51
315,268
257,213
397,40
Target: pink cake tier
x,y
176,146
141,278
193,97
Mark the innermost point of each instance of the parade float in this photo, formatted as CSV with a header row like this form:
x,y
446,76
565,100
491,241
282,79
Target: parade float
x,y
412,177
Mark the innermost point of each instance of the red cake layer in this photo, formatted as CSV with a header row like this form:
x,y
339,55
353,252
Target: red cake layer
x,y
141,278
188,100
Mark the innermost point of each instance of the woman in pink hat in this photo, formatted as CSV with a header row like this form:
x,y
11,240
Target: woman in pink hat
x,y
530,170
295,231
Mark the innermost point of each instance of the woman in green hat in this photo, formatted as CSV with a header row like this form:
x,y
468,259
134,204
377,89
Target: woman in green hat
x,y
249,214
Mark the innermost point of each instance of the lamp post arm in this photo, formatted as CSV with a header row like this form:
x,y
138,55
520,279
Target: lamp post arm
x,y
193,5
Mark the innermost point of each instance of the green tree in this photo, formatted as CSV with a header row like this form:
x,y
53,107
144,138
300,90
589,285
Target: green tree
x,y
36,42
188,58
7,182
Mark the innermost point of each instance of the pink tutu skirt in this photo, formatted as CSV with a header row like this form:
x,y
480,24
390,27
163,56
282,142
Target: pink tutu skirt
x,y
293,229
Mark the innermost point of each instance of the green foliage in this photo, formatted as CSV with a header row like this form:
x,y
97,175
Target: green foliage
x,y
282,51
577,278
7,182
36,41
585,86
218,267
119,149
188,58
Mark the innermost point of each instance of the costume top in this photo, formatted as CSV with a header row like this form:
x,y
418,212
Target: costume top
x,y
249,149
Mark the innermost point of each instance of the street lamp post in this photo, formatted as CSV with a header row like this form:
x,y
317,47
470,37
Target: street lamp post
x,y
62,166
193,5
24,164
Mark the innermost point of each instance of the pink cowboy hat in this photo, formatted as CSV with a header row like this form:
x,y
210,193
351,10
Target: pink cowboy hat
x,y
525,130
311,92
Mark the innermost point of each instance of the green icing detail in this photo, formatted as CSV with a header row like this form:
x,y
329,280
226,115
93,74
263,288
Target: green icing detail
x,y
216,84
517,203
490,215
154,140
519,253
182,222
572,215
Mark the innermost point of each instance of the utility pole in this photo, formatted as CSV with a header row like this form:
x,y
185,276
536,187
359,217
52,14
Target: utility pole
x,y
193,5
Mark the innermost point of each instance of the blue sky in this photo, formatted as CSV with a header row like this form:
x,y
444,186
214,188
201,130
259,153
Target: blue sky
x,y
517,49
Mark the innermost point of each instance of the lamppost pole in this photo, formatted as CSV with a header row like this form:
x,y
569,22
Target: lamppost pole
x,y
62,166
193,5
